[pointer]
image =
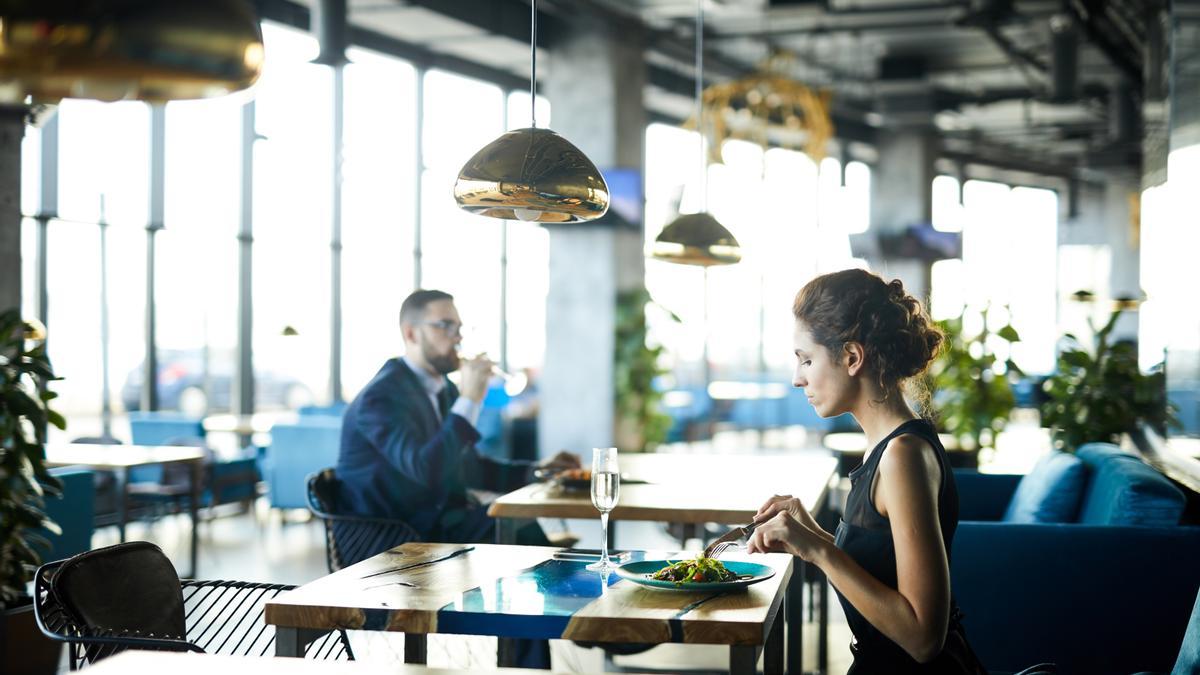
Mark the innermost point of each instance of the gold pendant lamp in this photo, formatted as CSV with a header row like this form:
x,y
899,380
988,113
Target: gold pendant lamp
x,y
127,49
697,238
532,174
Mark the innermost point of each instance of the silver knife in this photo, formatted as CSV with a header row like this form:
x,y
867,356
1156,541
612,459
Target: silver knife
x,y
732,535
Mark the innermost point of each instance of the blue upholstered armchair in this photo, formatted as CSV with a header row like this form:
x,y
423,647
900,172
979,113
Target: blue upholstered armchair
x,y
1108,588
297,450
227,478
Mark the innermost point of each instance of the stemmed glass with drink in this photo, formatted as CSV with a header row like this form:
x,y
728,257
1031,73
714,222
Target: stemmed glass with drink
x,y
606,489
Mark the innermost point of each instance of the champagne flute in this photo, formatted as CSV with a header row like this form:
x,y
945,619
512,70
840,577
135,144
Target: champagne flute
x,y
606,489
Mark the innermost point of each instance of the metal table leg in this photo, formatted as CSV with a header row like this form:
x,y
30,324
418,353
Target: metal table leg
x,y
822,622
416,648
293,641
506,652
193,513
794,609
773,650
743,660
506,530
122,477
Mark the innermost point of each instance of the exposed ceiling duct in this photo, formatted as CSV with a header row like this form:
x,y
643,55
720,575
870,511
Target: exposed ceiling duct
x,y
331,30
1064,59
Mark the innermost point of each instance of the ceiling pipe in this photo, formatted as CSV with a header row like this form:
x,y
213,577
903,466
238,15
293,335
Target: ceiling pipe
x,y
1064,59
330,27
1122,113
1094,29
875,9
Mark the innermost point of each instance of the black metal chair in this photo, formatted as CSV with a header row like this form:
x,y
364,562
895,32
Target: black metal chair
x,y
128,596
350,539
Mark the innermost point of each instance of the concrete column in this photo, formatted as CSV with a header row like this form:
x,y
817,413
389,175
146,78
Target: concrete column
x,y
12,129
595,79
902,195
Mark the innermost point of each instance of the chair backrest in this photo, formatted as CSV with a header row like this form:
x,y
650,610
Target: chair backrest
x,y
128,597
331,410
161,428
350,539
130,588
156,428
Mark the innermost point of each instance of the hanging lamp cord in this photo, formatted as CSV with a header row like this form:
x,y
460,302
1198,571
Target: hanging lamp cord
x,y
533,63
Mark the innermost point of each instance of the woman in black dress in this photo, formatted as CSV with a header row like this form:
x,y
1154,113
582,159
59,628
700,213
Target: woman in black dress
x,y
859,342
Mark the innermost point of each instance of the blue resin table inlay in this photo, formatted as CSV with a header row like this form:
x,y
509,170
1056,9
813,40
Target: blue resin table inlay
x,y
541,600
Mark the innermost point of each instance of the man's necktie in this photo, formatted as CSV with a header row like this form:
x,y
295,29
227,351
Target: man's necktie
x,y
444,402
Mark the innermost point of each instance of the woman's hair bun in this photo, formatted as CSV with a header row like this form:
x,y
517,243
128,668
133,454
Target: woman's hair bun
x,y
899,338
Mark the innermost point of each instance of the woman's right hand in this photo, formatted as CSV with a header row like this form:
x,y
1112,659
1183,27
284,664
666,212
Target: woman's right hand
x,y
786,504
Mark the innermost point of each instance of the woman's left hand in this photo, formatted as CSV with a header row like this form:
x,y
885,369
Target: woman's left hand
x,y
784,534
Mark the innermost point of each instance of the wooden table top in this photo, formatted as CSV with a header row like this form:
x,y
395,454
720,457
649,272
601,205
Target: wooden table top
x,y
185,663
684,488
118,456
522,591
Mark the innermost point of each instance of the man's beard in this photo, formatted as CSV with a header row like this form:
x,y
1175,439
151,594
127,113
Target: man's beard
x,y
443,363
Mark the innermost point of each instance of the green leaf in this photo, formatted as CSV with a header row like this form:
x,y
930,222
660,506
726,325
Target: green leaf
x,y
24,478
1076,358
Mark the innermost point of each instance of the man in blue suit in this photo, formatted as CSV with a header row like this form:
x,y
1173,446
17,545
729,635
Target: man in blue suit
x,y
408,437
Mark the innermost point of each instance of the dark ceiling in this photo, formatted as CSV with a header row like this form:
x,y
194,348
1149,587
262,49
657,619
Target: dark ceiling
x,y
1048,86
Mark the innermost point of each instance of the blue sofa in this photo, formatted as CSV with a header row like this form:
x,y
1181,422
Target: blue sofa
x,y
1109,591
297,450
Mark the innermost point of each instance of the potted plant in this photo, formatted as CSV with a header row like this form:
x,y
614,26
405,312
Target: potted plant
x,y
24,484
1101,394
640,423
971,385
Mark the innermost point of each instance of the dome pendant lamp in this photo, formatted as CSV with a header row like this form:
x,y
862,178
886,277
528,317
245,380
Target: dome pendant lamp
x,y
532,174
697,238
137,49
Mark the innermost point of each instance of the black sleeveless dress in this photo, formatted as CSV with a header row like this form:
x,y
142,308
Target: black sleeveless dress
x,y
866,536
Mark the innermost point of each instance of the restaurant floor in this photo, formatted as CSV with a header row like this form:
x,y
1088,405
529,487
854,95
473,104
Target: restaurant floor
x,y
287,547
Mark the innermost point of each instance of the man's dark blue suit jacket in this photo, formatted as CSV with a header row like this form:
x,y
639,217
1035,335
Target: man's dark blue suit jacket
x,y
398,461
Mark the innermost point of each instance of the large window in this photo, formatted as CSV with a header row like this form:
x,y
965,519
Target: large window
x,y
1000,226
461,251
31,167
103,159
293,175
791,218
196,268
1170,317
379,178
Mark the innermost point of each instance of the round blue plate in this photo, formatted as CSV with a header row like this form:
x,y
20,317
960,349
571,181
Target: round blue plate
x,y
748,573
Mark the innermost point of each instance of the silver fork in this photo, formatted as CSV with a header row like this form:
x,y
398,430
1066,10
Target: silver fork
x,y
723,547
728,540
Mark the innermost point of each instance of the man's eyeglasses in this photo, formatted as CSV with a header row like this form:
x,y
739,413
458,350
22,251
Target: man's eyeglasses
x,y
447,326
